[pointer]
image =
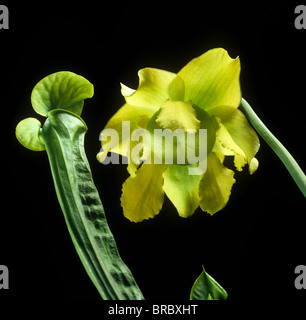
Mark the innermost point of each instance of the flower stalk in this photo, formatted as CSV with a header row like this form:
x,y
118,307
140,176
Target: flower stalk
x,y
290,163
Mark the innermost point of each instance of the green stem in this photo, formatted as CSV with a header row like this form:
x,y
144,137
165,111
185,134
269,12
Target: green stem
x,y
287,159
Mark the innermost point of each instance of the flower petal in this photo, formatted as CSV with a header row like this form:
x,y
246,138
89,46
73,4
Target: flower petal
x,y
253,166
212,80
122,145
240,131
143,196
215,186
227,146
176,89
182,189
178,115
152,91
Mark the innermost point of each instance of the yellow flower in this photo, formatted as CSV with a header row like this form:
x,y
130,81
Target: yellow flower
x,y
205,94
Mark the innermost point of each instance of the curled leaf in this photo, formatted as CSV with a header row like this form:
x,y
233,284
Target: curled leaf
x,y
61,90
27,133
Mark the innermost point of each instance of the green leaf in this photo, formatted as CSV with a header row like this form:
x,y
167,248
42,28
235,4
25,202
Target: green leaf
x,y
63,134
61,90
27,132
207,288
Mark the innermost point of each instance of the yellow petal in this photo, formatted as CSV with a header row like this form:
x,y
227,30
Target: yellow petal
x,y
178,115
226,145
241,133
152,91
176,89
143,196
253,166
212,80
182,189
133,162
122,145
215,186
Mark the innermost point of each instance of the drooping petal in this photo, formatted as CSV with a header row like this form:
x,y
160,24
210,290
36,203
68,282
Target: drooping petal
x,y
237,134
215,186
212,80
143,196
182,189
253,166
226,145
152,91
124,121
178,115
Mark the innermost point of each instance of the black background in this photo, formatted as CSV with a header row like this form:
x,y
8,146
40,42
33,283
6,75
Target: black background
x,y
252,246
